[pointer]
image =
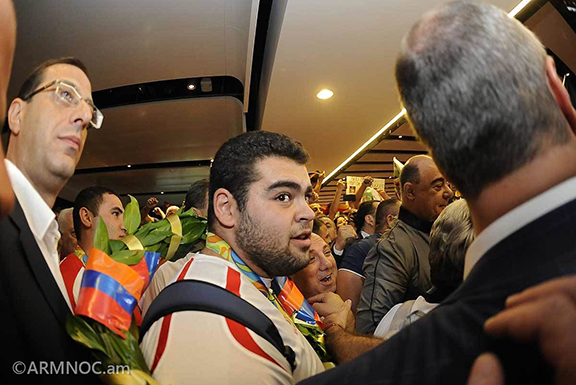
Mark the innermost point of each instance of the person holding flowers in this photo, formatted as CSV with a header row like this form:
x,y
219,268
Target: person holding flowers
x,y
91,204
259,226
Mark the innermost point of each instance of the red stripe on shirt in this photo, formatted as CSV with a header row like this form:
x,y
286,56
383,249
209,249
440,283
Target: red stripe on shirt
x,y
239,331
165,328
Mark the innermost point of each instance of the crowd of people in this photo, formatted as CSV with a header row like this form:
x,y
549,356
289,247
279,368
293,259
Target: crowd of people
x,y
419,288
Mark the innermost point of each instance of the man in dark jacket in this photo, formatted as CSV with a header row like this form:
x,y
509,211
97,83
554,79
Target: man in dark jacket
x,y
397,269
48,123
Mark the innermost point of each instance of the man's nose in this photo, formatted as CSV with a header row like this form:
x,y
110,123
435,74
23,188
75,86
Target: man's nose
x,y
325,262
447,192
82,114
305,213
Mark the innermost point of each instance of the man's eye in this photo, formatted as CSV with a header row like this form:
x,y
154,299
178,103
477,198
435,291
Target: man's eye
x,y
312,259
66,95
283,197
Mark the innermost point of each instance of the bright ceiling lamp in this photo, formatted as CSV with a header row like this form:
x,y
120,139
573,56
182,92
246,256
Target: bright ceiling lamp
x,y
324,94
334,172
518,8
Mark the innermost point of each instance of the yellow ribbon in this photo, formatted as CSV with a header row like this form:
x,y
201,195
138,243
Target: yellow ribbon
x,y
176,227
132,242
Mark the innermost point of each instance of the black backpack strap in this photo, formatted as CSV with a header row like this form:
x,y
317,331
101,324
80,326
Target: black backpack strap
x,y
194,295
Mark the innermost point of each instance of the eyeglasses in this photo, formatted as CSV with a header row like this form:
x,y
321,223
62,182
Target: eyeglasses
x,y
68,94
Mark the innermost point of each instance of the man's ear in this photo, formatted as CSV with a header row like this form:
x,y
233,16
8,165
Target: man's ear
x,y
390,218
225,208
369,219
86,217
15,116
408,191
560,93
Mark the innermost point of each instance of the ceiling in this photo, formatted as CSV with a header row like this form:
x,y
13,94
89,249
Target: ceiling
x,y
280,52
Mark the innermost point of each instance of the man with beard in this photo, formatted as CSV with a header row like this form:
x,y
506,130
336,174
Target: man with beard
x,y
259,232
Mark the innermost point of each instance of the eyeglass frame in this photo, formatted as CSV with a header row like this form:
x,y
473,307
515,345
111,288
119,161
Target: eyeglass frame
x,y
80,98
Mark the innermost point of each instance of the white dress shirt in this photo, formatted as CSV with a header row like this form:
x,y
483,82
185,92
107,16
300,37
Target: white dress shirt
x,y
41,220
517,218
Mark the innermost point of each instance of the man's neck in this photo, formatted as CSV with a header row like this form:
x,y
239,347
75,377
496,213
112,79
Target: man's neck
x,y
546,171
368,229
231,240
408,217
86,243
48,191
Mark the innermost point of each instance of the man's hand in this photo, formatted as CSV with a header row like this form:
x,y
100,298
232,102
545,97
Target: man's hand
x,y
368,180
545,313
158,211
344,233
152,202
383,194
340,185
334,311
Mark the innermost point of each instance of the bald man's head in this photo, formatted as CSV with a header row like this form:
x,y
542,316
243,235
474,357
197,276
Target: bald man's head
x,y
425,192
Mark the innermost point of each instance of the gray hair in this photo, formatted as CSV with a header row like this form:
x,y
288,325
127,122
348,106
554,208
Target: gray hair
x,y
474,86
450,237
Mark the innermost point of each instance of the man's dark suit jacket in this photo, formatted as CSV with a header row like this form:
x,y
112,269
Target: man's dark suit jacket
x,y
33,310
441,347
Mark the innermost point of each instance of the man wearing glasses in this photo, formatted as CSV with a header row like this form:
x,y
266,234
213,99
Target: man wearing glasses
x,y
49,122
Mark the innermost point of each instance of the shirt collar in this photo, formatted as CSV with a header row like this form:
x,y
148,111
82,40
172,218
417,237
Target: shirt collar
x,y
413,221
38,214
364,234
517,218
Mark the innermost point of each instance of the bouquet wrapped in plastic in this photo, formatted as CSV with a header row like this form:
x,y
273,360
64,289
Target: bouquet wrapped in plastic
x,y
116,275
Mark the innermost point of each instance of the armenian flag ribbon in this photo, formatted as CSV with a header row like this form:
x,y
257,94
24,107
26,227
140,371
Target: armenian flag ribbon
x,y
110,290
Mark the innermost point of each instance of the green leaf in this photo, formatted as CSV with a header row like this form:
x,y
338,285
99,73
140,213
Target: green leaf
x,y
82,332
156,236
128,257
131,216
193,233
101,237
116,246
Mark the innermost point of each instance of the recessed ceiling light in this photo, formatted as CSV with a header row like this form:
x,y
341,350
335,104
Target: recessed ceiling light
x,y
129,166
191,86
400,137
324,94
161,192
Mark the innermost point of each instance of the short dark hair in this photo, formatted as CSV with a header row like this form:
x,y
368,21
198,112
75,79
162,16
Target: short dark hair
x,y
384,209
410,173
197,195
316,225
233,166
91,198
366,208
33,80
474,87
